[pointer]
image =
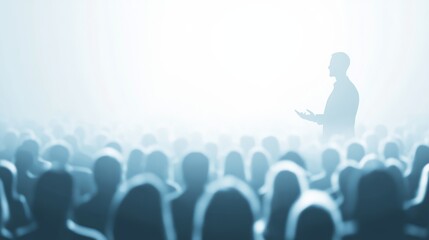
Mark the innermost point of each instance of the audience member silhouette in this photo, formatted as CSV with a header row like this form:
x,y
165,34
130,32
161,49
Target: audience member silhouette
x,y
391,150
348,180
234,165
59,156
379,211
394,168
107,176
135,163
295,158
10,143
195,169
272,145
314,216
421,159
330,161
4,215
418,207
226,211
342,105
148,140
286,182
78,157
140,211
246,144
157,163
355,152
25,180
259,166
19,214
372,143
39,164
51,210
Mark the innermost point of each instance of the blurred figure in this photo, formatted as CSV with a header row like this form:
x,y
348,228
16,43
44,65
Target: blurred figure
x,y
158,164
39,165
379,211
148,140
391,150
246,144
355,152
258,170
135,163
226,211
285,182
59,156
418,208
10,143
295,158
4,215
140,211
272,145
234,166
330,161
25,180
421,159
94,213
347,180
372,142
51,209
342,105
314,216
19,214
195,168
78,157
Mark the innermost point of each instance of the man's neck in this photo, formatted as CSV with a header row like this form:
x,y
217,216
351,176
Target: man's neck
x,y
341,78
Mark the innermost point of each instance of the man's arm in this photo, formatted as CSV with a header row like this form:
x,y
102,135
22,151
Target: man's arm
x,y
310,116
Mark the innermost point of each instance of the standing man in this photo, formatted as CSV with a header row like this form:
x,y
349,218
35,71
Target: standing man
x,y
342,105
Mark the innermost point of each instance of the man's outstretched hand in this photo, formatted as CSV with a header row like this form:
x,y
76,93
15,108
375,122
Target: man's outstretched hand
x,y
309,115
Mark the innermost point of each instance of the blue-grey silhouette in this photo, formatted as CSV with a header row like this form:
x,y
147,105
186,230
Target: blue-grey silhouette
x,y
53,199
135,163
140,211
4,207
93,213
227,211
195,170
342,105
314,216
330,161
234,166
286,182
259,167
19,214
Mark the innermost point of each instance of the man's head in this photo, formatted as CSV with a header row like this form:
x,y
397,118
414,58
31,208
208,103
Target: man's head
x,y
339,64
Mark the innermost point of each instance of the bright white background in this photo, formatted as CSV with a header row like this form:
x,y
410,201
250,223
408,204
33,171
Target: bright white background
x,y
234,64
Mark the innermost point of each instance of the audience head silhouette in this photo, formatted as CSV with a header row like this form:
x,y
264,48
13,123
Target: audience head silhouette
x,y
157,163
355,151
195,168
135,164
286,181
314,216
227,211
107,174
234,165
140,211
330,160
